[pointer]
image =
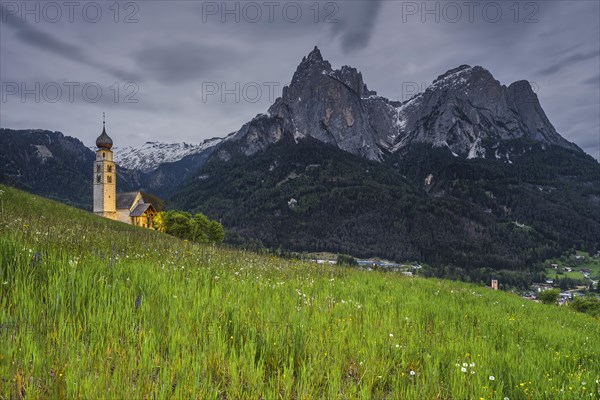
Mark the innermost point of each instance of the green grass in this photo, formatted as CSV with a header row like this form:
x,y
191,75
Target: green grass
x,y
591,262
575,274
218,323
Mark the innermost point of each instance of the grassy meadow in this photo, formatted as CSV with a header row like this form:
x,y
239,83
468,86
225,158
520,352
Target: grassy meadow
x,y
91,308
591,263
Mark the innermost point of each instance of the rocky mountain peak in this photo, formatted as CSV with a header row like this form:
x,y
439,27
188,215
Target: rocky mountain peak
x,y
465,109
311,65
453,72
314,55
521,86
463,77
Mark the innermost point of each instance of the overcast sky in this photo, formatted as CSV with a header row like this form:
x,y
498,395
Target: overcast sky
x,y
162,66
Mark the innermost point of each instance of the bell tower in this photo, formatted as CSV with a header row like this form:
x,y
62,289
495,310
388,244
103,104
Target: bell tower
x,y
105,176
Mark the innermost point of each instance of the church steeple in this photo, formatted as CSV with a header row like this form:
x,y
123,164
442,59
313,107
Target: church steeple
x,y
104,141
105,176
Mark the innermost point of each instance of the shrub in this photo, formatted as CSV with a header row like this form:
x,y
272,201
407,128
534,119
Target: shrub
x,y
588,305
549,296
197,228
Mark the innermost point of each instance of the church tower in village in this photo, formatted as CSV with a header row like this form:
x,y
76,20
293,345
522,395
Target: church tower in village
x,y
105,177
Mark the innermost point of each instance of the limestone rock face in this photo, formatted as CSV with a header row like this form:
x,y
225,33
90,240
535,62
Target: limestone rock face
x,y
466,106
328,105
465,110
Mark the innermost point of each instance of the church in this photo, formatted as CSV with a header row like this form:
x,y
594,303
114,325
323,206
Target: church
x,y
133,208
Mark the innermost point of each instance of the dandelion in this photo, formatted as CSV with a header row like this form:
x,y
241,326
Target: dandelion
x,y
492,378
472,365
391,335
463,369
465,365
412,373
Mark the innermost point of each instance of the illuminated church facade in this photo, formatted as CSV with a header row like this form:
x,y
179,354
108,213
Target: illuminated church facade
x,y
132,207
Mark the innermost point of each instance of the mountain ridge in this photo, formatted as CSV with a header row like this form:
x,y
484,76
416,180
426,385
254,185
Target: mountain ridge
x,y
150,155
461,108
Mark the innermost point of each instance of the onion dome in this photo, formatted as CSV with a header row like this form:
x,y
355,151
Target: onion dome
x,y
104,141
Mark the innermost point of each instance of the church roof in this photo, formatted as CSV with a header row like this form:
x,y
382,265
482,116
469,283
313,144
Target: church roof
x,y
139,210
104,141
125,200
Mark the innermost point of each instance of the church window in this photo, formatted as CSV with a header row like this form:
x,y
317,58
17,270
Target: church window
x,y
109,179
98,168
103,155
109,168
98,179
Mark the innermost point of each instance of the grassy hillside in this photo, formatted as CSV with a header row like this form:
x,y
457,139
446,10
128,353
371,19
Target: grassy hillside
x,y
91,308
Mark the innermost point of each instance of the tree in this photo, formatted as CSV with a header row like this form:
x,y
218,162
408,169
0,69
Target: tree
x,y
588,305
216,233
200,226
549,296
343,259
182,225
160,223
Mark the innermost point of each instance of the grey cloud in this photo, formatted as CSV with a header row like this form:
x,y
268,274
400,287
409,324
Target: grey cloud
x,y
356,23
178,63
47,42
566,62
595,81
352,21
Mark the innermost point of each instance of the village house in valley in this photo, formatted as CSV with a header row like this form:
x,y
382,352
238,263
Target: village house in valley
x,y
133,208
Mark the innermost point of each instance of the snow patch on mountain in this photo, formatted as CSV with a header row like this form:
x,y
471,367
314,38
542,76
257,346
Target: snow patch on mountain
x,y
476,150
150,155
457,77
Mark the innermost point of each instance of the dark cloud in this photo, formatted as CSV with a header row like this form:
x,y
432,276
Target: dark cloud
x,y
355,23
352,21
568,61
594,81
182,62
47,42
